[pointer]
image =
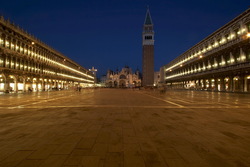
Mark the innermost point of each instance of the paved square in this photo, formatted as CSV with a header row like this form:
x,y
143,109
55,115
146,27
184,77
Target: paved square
x,y
125,128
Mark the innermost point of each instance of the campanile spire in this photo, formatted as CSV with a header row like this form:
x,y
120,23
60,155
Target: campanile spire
x,y
148,20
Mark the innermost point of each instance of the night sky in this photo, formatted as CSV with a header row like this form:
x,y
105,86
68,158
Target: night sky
x,y
107,34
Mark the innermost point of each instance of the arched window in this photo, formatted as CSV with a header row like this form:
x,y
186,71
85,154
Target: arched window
x,y
1,40
1,60
122,77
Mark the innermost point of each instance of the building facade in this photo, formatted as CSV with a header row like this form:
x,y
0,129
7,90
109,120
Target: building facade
x,y
148,51
28,64
220,62
123,79
157,78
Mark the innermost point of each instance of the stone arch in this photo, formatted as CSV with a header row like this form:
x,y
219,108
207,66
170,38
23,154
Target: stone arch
x,y
40,84
110,84
248,83
59,84
55,84
2,82
34,84
51,83
227,83
115,84
46,84
122,76
134,83
236,83
122,83
28,83
20,83
11,83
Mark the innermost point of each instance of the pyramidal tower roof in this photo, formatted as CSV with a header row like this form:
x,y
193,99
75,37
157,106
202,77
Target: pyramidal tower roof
x,y
148,20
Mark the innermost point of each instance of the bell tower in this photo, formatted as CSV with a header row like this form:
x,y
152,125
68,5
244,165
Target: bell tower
x,y
148,51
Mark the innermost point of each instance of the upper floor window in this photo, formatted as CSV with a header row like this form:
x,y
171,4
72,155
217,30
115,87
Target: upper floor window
x,y
1,41
1,61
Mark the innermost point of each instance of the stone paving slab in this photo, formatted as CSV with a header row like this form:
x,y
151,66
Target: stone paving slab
x,y
125,128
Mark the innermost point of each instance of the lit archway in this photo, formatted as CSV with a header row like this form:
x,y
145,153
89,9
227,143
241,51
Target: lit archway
x,y
122,84
115,84
110,84
2,82
11,83
134,83
20,83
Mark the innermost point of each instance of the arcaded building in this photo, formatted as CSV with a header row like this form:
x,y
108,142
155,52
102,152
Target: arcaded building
x,y
123,79
220,62
26,63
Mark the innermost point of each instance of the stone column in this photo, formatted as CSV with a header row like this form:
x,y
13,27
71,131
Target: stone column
x,y
196,84
216,84
43,85
245,84
37,82
187,84
242,83
199,83
6,85
210,84
231,84
222,84
62,84
204,84
24,85
15,85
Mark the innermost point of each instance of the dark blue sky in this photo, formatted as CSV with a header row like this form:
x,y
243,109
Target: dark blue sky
x,y
107,33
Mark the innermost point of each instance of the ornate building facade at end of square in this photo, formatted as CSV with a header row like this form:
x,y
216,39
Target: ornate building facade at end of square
x,y
124,78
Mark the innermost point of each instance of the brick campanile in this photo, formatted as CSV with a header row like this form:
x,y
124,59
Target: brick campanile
x,y
148,51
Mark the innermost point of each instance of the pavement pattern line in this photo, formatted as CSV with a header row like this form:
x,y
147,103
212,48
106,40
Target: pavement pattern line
x,y
43,101
183,101
167,101
116,106
37,102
